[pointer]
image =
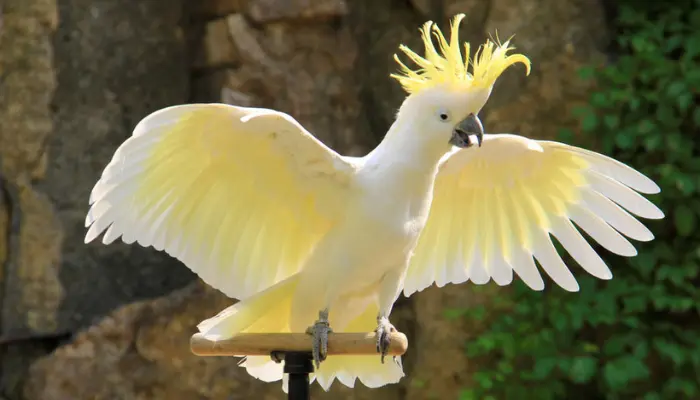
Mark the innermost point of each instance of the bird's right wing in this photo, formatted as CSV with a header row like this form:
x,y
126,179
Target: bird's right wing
x,y
239,195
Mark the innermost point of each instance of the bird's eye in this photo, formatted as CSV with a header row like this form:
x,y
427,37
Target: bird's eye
x,y
443,115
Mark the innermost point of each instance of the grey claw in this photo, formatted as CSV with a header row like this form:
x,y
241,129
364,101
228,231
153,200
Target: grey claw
x,y
320,330
277,356
384,331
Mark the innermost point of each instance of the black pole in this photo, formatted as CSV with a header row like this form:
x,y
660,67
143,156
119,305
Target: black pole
x,y
298,364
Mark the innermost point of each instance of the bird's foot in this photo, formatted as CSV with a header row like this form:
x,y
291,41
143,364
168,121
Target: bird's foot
x,y
320,330
277,356
384,331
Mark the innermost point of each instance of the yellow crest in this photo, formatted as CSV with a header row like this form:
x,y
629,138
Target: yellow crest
x,y
448,68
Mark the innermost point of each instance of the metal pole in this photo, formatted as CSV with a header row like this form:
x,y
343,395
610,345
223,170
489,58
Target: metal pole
x,y
298,364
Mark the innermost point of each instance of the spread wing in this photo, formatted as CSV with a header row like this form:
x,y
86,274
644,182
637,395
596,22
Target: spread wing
x,y
495,207
239,195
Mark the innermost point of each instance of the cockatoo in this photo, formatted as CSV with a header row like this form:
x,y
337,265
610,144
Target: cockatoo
x,y
312,241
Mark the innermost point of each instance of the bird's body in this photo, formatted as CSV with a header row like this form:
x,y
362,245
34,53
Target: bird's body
x,y
375,236
309,240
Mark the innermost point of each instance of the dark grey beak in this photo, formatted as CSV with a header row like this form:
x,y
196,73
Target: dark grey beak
x,y
468,126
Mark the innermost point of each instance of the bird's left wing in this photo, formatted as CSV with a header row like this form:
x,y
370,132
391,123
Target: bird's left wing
x,y
495,207
240,195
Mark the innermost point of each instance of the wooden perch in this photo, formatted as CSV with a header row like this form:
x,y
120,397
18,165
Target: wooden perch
x,y
264,344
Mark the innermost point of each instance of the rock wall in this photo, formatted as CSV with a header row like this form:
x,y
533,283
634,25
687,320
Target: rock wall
x,y
77,75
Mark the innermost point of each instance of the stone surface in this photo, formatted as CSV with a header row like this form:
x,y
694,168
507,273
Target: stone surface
x,y
116,64
31,292
142,352
30,234
127,356
559,37
299,70
428,8
297,10
215,8
216,49
32,300
27,83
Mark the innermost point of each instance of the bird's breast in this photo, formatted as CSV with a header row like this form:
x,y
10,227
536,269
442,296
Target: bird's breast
x,y
391,209
396,215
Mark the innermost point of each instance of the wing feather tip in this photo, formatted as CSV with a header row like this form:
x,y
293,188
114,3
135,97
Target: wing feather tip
x,y
659,215
574,288
649,187
536,286
92,233
90,236
647,237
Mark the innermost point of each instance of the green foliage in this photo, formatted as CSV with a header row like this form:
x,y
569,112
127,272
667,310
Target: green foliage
x,y
638,335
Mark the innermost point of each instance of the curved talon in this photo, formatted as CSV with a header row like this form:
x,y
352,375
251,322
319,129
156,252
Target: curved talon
x,y
480,138
384,331
319,331
277,356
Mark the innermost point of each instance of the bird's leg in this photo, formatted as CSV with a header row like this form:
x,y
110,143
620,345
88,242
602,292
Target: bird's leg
x,y
320,330
384,331
389,290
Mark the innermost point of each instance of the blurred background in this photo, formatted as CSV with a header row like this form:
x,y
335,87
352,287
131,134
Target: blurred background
x,y
113,322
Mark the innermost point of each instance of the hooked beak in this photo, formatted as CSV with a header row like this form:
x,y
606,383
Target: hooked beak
x,y
468,126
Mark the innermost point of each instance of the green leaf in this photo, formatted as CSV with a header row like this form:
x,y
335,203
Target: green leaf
x,y
641,349
544,367
615,345
583,369
635,304
685,184
566,135
653,142
682,386
586,73
417,383
685,100
611,121
696,117
623,371
468,394
624,141
600,100
590,122
452,314
646,125
484,380
676,88
684,219
670,350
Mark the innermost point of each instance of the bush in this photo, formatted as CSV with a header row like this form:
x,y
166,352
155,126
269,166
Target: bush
x,y
638,335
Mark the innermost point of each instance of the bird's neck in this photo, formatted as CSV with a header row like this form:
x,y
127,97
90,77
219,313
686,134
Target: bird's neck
x,y
406,154
398,176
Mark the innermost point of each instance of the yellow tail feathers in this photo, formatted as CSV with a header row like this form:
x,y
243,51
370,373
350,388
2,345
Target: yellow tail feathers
x,y
269,311
266,311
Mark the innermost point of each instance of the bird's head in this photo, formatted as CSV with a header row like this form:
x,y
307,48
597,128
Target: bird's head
x,y
445,95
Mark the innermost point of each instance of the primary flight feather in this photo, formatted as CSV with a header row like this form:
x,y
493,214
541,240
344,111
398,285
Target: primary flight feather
x,y
309,240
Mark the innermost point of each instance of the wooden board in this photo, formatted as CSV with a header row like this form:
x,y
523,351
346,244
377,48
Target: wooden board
x,y
263,344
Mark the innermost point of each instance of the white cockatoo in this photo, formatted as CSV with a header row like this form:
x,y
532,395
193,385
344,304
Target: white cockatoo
x,y
310,240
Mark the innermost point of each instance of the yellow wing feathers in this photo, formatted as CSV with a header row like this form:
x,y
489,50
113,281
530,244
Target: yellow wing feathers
x,y
239,195
495,208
